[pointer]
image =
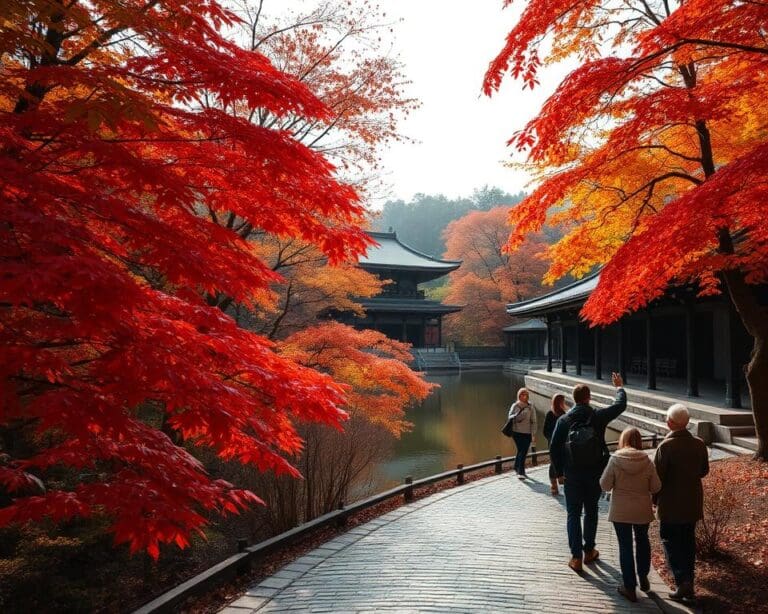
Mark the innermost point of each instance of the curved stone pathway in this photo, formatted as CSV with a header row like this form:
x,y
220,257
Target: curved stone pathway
x,y
494,545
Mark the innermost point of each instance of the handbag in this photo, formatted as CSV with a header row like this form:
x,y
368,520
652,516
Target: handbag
x,y
507,429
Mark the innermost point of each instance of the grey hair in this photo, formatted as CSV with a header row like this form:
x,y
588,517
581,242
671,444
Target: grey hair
x,y
678,413
521,391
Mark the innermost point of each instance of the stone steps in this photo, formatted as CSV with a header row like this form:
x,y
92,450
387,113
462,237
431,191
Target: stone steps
x,y
646,410
651,398
750,443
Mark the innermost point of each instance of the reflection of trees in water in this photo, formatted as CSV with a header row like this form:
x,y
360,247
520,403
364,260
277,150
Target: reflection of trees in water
x,y
459,423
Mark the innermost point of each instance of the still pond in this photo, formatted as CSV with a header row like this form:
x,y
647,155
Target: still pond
x,y
459,423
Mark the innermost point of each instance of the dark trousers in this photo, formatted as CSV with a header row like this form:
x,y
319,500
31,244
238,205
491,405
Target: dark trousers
x,y
581,494
627,558
522,443
679,542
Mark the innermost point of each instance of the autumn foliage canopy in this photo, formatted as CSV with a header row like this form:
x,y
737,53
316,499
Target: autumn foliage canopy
x,y
120,126
655,150
489,277
630,142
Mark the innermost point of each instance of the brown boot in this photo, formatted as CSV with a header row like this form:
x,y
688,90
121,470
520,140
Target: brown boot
x,y
576,565
591,555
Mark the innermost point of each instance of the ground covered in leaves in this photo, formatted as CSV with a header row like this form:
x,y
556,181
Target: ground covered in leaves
x,y
732,564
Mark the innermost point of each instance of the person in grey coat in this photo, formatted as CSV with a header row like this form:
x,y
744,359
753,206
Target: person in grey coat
x,y
681,461
523,415
631,478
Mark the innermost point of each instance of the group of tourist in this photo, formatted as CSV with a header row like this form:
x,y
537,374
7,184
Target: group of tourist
x,y
668,487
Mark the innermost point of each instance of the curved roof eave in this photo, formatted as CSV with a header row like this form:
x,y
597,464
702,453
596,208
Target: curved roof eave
x,y
573,294
390,252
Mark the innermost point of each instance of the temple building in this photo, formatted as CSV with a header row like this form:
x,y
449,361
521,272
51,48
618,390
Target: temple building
x,y
681,348
401,311
689,342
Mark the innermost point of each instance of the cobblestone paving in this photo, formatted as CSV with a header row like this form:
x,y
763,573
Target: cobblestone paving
x,y
495,545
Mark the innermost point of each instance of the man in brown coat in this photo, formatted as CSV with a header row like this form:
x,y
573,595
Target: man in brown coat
x,y
681,461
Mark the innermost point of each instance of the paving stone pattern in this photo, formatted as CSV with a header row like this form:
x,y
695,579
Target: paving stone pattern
x,y
495,545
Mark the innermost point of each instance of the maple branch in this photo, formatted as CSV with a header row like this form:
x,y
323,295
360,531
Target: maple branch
x,y
286,307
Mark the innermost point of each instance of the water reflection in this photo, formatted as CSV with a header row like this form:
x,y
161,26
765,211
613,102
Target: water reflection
x,y
459,423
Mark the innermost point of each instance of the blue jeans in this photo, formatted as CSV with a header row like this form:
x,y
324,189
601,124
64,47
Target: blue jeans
x,y
679,540
627,558
581,494
522,443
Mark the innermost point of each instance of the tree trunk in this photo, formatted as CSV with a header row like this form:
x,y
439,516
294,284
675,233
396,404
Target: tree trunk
x,y
755,319
757,379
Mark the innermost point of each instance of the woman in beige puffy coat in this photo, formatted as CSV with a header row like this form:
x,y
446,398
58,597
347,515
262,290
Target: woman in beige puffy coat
x,y
631,477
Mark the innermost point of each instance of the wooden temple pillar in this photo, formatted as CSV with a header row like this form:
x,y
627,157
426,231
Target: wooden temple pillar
x,y
690,351
549,343
621,351
578,348
732,367
563,347
650,352
598,353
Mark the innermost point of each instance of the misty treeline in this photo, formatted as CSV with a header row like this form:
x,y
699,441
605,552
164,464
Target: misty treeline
x,y
421,221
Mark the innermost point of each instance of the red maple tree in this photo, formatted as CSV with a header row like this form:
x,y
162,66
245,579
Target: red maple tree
x,y
489,277
109,151
656,151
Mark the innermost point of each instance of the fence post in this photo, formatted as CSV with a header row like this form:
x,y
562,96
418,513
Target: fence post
x,y
497,466
534,457
242,544
460,475
408,494
342,519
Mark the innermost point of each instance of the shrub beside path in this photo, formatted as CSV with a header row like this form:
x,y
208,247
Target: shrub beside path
x,y
496,544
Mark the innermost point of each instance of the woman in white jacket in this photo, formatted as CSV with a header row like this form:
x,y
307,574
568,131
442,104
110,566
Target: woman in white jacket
x,y
523,428
631,477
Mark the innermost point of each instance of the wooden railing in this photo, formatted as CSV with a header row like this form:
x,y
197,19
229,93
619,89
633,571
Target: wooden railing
x,y
240,563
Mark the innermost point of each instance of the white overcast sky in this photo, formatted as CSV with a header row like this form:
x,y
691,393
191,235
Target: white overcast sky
x,y
461,134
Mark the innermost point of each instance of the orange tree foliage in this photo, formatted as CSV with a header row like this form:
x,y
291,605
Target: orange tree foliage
x,y
489,276
309,287
371,364
108,149
655,149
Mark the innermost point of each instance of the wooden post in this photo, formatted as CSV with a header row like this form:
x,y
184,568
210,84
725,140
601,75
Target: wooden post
x,y
690,350
497,466
621,352
578,348
598,353
650,352
460,475
242,566
408,494
549,344
732,371
563,348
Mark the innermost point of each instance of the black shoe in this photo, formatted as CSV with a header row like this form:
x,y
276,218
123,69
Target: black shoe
x,y
645,586
684,591
628,593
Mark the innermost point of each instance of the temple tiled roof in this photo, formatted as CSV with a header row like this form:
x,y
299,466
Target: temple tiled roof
x,y
390,253
529,325
569,296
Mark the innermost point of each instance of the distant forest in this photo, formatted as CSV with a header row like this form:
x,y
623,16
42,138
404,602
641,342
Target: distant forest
x,y
420,222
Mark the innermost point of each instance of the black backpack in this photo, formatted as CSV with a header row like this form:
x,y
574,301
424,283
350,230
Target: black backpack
x,y
584,444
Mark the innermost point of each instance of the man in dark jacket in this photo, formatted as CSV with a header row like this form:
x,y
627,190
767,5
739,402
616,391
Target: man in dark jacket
x,y
681,461
582,479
